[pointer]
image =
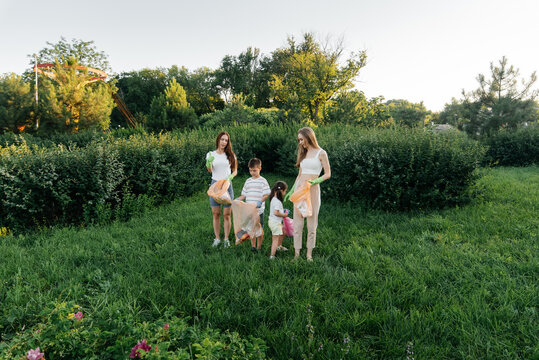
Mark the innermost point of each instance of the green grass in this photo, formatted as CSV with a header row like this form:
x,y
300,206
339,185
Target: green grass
x,y
457,283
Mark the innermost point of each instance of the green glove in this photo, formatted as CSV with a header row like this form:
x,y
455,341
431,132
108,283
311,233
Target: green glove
x,y
316,181
230,177
209,161
290,192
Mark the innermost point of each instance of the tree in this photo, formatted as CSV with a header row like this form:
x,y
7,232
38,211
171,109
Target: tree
x,y
454,113
16,104
407,113
200,86
137,89
70,102
171,110
353,107
499,102
236,75
314,74
84,52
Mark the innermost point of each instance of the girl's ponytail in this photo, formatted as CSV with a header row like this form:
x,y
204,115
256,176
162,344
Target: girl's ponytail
x,y
276,190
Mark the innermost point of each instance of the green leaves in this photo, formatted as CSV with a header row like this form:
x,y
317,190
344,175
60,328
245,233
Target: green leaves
x,y
312,75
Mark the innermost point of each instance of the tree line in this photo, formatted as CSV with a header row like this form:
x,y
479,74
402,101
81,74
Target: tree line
x,y
306,81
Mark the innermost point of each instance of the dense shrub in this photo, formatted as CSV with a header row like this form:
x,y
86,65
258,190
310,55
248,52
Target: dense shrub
x,y
43,188
404,169
163,166
513,148
233,115
40,187
65,331
389,169
80,139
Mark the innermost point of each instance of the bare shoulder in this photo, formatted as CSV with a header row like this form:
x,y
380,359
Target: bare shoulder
x,y
323,153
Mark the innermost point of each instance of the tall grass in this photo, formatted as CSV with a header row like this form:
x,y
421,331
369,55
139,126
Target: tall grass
x,y
450,284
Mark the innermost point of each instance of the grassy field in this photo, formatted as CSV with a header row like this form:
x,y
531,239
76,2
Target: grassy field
x,y
448,284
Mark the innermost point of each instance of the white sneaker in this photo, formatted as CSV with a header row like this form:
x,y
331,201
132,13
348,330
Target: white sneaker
x,y
216,242
272,257
227,243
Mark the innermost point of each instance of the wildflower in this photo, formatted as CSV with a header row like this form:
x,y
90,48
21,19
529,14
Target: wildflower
x,y
78,315
410,351
140,345
166,327
70,315
34,354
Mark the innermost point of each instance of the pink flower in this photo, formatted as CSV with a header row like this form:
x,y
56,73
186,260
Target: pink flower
x,y
140,345
34,354
166,327
78,315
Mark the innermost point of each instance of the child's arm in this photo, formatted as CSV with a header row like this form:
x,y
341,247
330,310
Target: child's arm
x,y
241,198
280,214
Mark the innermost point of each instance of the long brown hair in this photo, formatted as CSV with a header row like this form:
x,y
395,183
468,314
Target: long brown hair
x,y
310,137
228,150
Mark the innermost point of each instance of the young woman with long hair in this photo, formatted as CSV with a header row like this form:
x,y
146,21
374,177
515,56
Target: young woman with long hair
x,y
311,160
222,164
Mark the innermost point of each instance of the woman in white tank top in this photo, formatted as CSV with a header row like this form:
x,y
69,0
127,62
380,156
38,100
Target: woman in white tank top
x,y
311,160
222,164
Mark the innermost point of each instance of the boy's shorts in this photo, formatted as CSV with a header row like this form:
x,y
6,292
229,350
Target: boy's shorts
x,y
214,203
275,227
262,219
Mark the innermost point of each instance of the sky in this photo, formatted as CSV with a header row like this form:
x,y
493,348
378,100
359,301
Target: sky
x,y
419,50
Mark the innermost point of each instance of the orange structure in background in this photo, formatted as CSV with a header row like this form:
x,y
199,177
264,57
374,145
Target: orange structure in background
x,y
97,75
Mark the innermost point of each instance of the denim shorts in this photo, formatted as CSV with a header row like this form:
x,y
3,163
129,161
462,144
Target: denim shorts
x,y
262,219
214,203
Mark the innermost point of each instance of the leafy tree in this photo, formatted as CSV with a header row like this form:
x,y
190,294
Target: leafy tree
x,y
407,113
84,52
314,75
137,89
353,107
16,104
69,102
200,86
454,113
499,102
237,75
237,112
171,110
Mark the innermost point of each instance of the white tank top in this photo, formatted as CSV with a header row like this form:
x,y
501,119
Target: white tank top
x,y
311,166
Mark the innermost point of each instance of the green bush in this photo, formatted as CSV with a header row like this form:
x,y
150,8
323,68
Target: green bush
x,y
513,148
163,166
80,139
393,169
241,115
109,179
44,188
402,169
64,331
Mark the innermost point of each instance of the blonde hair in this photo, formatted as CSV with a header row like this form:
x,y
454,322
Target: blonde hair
x,y
310,137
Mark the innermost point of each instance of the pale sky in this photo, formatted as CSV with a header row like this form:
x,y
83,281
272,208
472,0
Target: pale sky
x,y
419,50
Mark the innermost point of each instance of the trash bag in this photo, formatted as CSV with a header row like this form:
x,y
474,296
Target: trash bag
x,y
288,226
302,199
219,192
246,221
